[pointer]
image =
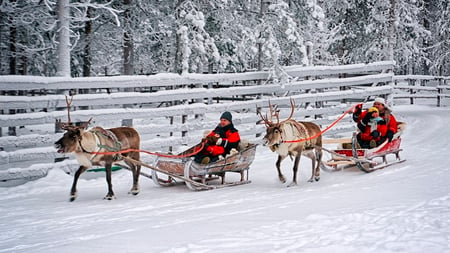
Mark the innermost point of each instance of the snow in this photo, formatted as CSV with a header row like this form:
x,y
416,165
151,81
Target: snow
x,y
403,208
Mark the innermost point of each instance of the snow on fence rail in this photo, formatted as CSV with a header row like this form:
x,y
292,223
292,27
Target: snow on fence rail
x,y
169,110
415,87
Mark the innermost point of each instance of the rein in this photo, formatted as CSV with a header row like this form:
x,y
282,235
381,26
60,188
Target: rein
x,y
196,151
325,130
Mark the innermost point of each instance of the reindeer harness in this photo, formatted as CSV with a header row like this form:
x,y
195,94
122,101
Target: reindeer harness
x,y
106,134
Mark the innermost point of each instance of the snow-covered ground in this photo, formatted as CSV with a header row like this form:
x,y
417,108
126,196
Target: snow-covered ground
x,y
403,208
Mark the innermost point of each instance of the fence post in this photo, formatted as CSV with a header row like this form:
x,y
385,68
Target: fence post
x,y
183,131
440,91
411,91
171,133
127,122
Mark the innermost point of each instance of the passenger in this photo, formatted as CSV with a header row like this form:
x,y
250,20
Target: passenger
x,y
386,124
220,141
368,126
389,121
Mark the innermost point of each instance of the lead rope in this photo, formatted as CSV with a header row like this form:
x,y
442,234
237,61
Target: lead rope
x,y
151,153
326,129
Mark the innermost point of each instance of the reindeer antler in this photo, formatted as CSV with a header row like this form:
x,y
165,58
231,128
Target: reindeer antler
x,y
266,121
69,106
68,124
292,109
86,124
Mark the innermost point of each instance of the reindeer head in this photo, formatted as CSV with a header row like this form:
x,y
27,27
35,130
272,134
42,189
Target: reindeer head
x,y
69,141
273,137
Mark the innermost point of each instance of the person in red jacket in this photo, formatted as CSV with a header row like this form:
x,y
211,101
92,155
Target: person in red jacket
x,y
386,124
220,140
390,122
370,131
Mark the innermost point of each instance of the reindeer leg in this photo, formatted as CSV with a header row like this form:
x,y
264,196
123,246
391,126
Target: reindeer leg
x,y
295,169
110,194
311,156
136,170
319,160
313,168
73,191
278,164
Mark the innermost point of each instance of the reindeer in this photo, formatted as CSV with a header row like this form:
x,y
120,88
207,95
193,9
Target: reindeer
x,y
86,144
289,130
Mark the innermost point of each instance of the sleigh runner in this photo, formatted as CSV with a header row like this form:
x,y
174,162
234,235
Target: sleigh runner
x,y
349,154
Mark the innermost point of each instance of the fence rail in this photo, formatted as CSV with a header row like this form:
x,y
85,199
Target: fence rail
x,y
415,87
172,111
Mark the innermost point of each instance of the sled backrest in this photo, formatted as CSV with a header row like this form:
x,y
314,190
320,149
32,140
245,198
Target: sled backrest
x,y
401,126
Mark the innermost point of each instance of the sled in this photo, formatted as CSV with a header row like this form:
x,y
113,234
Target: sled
x,y
168,171
368,160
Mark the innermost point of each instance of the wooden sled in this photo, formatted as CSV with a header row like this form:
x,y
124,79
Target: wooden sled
x,y
170,171
349,154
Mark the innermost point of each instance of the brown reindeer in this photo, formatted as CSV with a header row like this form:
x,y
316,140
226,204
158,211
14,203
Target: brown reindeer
x,y
86,144
289,130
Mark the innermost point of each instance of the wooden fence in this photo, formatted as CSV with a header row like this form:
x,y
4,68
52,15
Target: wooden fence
x,y
413,87
170,111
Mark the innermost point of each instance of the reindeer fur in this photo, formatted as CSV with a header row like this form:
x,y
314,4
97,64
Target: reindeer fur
x,y
291,130
81,142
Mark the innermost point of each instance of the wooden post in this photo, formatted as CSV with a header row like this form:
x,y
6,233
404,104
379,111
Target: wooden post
x,y
12,130
411,91
184,132
58,128
440,91
127,122
171,133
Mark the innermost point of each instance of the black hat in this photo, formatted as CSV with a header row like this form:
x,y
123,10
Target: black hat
x,y
227,116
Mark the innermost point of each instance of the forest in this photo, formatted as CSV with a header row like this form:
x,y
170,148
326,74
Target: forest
x,y
141,37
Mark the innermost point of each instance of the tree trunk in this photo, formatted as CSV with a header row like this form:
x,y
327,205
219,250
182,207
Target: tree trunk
x,y
260,39
63,47
391,29
87,47
128,56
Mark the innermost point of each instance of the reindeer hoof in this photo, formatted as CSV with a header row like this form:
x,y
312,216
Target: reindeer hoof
x,y
109,197
317,178
72,197
292,184
134,191
282,179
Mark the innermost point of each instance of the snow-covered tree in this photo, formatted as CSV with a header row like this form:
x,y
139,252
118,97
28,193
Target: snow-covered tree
x,y
195,47
439,47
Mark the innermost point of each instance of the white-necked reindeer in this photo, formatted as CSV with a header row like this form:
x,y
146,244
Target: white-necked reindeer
x,y
86,144
279,134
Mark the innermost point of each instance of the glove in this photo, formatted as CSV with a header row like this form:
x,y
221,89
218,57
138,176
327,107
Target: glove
x,y
219,142
357,112
358,109
367,118
211,140
390,135
375,134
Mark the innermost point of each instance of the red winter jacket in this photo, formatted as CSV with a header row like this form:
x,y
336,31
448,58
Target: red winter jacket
x,y
382,127
230,139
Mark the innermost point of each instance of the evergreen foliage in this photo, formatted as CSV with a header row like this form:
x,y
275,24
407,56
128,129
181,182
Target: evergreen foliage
x,y
223,35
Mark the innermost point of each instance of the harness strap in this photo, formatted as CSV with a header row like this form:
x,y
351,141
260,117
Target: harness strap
x,y
98,145
110,135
